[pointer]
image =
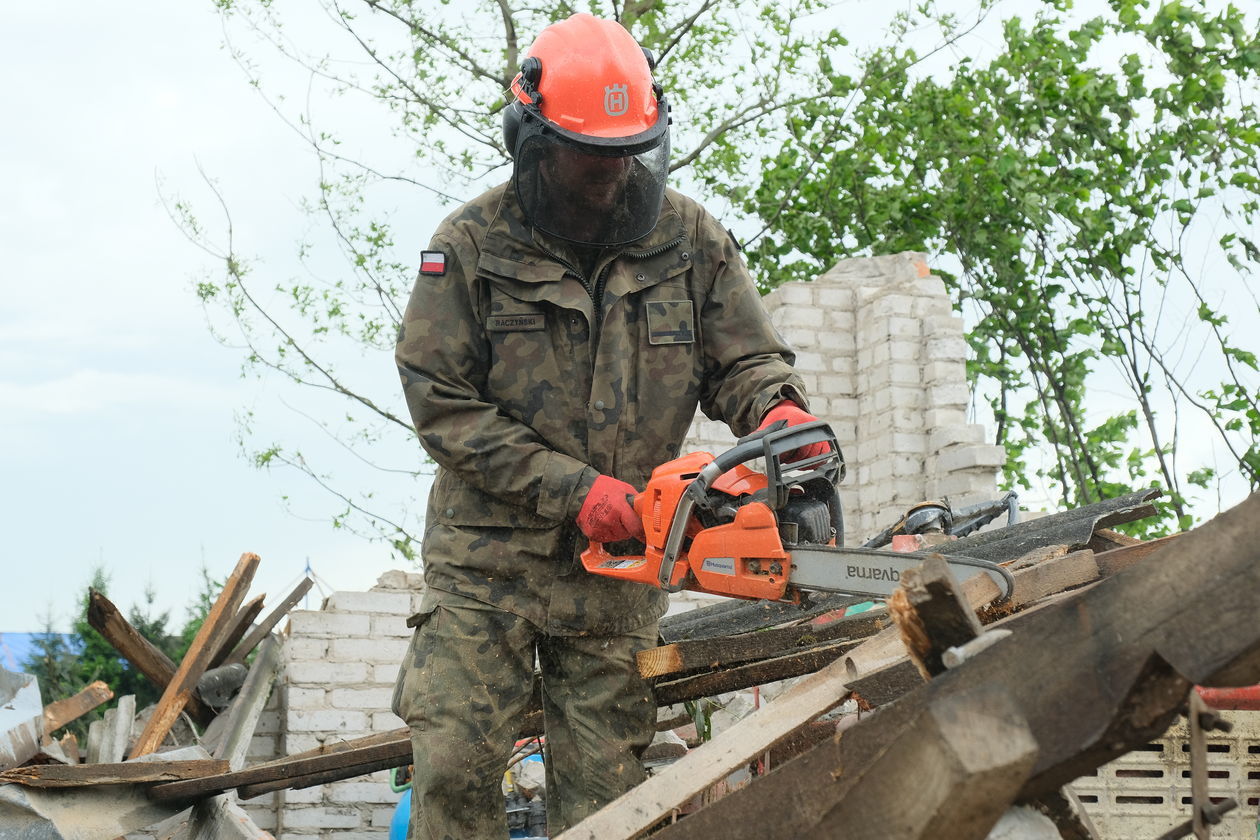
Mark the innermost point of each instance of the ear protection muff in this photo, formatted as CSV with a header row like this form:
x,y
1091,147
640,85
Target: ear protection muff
x,y
514,113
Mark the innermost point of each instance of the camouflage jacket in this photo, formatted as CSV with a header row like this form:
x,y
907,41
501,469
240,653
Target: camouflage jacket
x,y
523,393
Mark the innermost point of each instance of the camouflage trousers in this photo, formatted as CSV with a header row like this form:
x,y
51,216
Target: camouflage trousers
x,y
464,689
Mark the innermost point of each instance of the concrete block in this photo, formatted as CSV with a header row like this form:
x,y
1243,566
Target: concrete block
x,y
945,348
970,457
386,721
932,307
391,626
842,320
296,742
304,796
326,720
327,624
890,305
796,293
324,673
400,579
944,371
372,601
382,817
307,698
264,818
943,325
940,437
947,396
937,416
835,385
368,650
878,470
268,721
907,465
900,326
304,647
957,484
263,748
908,442
833,297
809,316
931,286
371,793
905,373
385,674
800,338
846,431
904,350
833,342
322,818
846,365
367,699
840,406
810,361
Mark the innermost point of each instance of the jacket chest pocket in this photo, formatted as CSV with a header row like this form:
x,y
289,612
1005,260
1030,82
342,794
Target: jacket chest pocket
x,y
667,380
531,358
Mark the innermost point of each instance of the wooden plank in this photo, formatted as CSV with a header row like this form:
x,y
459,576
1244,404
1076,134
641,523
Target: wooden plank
x,y
1124,654
249,703
114,773
731,650
70,747
234,632
288,769
1117,560
265,627
58,714
746,676
182,684
931,615
117,734
156,666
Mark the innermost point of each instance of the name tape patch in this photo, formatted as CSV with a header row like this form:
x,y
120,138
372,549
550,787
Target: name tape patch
x,y
433,262
514,323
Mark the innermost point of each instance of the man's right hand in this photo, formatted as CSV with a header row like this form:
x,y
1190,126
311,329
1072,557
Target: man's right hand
x,y
607,513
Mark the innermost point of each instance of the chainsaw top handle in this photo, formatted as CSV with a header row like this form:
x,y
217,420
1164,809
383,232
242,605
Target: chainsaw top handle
x,y
771,443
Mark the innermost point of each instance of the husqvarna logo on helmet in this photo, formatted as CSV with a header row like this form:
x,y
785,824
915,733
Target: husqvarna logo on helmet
x,y
616,100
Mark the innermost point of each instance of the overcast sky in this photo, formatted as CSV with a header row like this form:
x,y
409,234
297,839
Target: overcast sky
x,y
116,406
117,431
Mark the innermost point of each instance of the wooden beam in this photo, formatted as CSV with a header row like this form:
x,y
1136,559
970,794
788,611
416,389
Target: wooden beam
x,y
1092,676
287,769
1118,559
156,666
931,615
746,676
127,772
183,683
58,714
731,650
264,628
233,632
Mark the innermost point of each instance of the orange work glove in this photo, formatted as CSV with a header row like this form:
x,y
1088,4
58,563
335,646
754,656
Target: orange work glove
x,y
795,416
607,513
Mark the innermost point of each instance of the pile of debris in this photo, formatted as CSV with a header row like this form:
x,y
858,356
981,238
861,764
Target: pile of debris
x,y
997,704
201,726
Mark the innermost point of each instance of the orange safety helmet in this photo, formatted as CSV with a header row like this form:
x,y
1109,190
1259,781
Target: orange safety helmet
x,y
588,131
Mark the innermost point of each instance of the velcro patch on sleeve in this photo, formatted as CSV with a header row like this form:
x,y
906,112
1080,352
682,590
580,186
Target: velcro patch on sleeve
x,y
433,262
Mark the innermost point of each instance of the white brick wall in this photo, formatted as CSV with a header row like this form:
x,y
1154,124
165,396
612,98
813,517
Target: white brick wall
x,y
340,663
884,357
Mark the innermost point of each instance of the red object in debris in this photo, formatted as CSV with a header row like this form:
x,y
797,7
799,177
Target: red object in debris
x,y
1246,698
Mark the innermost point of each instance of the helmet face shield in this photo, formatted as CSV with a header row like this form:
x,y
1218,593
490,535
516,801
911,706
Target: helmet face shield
x,y
587,194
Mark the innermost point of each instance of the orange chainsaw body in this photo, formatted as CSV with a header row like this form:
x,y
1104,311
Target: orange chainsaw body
x,y
744,558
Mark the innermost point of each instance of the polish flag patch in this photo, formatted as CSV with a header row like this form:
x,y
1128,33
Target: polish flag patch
x,y
432,262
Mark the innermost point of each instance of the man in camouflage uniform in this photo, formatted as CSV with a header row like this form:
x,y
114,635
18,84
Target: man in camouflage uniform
x,y
561,334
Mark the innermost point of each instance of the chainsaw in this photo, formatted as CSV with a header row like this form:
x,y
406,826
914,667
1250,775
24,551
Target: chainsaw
x,y
715,525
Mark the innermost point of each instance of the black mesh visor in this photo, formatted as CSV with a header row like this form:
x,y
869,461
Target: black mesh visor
x,y
589,198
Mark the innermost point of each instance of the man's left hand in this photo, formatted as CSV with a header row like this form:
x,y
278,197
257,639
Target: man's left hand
x,y
794,415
